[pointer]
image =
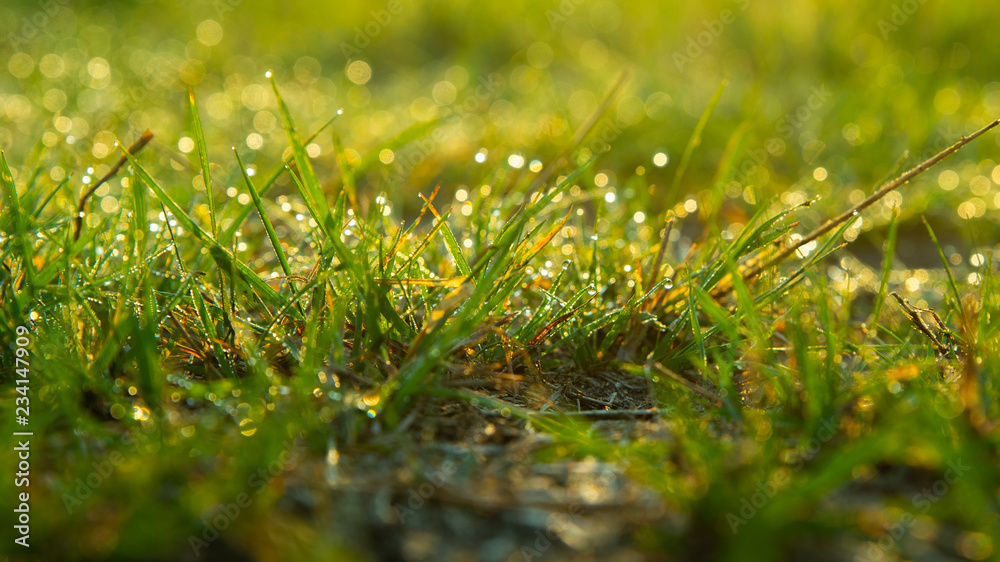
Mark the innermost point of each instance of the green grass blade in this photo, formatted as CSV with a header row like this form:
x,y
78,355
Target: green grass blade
x,y
209,326
14,204
199,138
271,235
301,158
696,137
227,235
888,255
455,249
699,340
223,258
944,261
346,175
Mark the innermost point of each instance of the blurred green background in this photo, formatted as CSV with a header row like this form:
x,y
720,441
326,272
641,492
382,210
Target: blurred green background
x,y
819,98
845,87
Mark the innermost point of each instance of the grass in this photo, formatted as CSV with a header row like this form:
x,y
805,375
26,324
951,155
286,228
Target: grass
x,y
263,354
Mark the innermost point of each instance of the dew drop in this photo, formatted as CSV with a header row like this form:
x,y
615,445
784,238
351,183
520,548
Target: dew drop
x,y
668,283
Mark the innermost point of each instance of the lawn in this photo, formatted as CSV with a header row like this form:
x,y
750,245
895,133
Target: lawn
x,y
502,281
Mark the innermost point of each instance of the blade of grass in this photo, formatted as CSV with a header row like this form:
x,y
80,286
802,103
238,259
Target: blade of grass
x,y
199,138
451,242
692,313
245,210
271,234
944,260
223,258
302,160
209,326
346,175
14,204
888,255
38,211
696,137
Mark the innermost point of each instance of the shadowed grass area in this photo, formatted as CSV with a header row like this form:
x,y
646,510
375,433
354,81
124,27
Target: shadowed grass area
x,y
600,280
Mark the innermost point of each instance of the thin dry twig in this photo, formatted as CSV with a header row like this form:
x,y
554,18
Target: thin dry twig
x,y
654,271
81,207
913,314
604,414
688,384
880,193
